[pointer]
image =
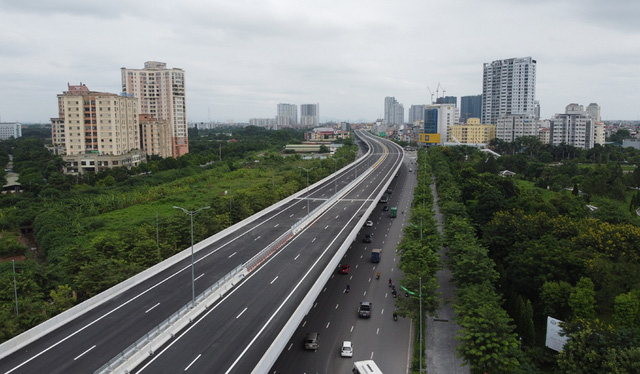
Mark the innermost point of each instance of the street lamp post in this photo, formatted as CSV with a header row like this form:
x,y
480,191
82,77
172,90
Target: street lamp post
x,y
191,213
420,301
307,170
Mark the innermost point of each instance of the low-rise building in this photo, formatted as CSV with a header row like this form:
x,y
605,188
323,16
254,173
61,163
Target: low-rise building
x,y
10,130
473,132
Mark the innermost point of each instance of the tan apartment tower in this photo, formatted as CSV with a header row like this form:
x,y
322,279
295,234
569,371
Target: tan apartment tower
x,y
162,95
93,126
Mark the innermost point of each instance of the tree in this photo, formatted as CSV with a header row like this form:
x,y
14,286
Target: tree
x,y
582,299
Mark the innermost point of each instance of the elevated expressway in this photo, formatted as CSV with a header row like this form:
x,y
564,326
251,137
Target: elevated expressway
x,y
246,328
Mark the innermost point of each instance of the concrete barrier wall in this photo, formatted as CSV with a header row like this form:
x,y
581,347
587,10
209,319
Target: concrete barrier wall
x,y
52,323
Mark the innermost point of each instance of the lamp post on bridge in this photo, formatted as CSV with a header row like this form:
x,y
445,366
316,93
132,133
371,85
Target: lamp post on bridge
x,y
307,170
191,213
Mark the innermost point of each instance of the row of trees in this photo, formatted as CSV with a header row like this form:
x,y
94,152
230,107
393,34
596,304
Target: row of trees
x,y
420,256
488,340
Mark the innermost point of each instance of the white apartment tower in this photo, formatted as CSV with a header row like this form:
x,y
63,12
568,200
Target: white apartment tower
x,y
310,115
512,126
393,111
593,110
161,92
508,87
575,127
287,115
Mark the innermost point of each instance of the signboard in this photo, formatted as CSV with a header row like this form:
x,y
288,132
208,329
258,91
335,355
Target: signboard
x,y
429,138
383,134
554,340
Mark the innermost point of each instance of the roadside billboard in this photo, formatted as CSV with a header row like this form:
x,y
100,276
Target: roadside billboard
x,y
430,138
554,340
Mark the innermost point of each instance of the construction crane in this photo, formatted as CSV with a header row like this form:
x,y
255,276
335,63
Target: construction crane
x,y
430,93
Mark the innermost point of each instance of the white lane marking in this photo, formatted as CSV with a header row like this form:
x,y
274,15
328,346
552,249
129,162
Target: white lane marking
x,y
313,240
328,323
243,310
345,208
315,305
304,323
291,215
369,279
337,306
288,349
257,238
274,279
297,257
386,294
84,353
337,216
351,328
148,310
277,224
382,311
192,362
198,277
304,207
371,356
365,293
378,331
326,227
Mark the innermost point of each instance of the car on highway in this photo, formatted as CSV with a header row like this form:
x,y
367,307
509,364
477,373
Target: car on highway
x,y
364,310
347,349
311,341
344,269
367,238
368,224
385,208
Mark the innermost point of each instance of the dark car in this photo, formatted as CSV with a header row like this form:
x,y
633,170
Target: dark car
x,y
364,310
367,238
385,208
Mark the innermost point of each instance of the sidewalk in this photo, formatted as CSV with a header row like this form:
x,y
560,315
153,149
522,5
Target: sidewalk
x,y
441,330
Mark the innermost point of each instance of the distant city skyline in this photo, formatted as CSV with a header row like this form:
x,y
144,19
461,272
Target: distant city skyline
x,y
355,53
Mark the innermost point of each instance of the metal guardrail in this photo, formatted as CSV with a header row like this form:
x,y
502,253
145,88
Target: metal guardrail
x,y
146,339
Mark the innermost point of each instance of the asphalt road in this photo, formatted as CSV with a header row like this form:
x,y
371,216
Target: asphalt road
x,y
235,333
334,314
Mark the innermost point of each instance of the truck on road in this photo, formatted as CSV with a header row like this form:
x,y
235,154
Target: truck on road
x,y
375,254
394,211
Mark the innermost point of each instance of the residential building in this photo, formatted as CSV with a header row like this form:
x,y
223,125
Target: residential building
x,y
287,115
593,111
310,115
473,132
512,126
470,107
262,122
438,118
96,130
10,130
416,113
599,133
161,94
508,87
544,135
447,100
155,136
575,127
393,111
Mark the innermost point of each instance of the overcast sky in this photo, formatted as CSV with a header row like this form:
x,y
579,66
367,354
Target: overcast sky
x,y
242,58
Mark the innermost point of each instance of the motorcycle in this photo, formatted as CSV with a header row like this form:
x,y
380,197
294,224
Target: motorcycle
x,y
395,316
346,290
378,275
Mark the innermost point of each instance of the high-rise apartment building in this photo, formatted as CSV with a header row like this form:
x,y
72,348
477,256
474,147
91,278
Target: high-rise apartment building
x,y
512,126
96,130
393,111
416,113
161,94
287,115
508,87
310,115
593,111
438,118
470,107
575,127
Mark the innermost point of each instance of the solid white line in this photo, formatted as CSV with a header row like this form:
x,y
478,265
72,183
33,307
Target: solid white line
x,y
83,353
148,310
233,254
244,310
274,279
192,362
199,276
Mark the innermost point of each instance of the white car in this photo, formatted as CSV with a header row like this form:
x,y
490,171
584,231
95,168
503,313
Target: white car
x,y
347,349
368,223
